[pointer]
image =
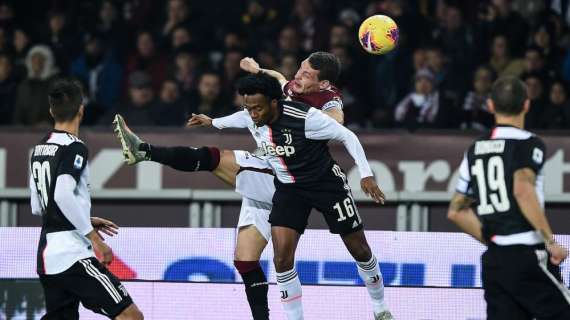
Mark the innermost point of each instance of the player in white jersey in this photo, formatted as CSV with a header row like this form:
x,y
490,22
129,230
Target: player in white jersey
x,y
68,269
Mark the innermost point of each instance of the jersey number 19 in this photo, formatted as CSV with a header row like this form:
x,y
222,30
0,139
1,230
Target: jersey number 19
x,y
493,196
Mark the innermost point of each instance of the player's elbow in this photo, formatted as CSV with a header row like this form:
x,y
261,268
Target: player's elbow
x,y
453,215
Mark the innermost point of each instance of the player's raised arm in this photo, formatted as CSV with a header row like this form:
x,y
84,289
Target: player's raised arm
x,y
250,65
319,126
238,120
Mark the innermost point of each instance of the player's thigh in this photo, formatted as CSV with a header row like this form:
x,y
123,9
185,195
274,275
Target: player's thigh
x,y
132,312
542,290
501,303
339,211
290,209
227,168
255,185
250,244
60,303
98,289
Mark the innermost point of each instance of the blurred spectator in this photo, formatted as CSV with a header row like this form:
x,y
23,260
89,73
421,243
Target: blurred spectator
x,y
477,115
7,16
260,20
556,114
451,83
530,10
101,75
349,18
138,110
21,44
60,38
32,106
180,36
424,107
535,91
111,27
289,42
534,61
499,18
289,66
209,99
171,107
8,87
340,36
185,69
267,58
231,70
501,60
313,26
147,58
544,38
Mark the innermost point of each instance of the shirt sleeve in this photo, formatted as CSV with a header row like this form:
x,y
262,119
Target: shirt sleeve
x,y
73,160
530,154
66,199
464,179
319,126
34,198
335,102
240,119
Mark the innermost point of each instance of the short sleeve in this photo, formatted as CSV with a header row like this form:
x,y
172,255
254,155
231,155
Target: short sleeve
x,y
335,102
74,160
464,179
530,154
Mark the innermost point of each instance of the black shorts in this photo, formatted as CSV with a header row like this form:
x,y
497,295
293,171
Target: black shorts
x,y
89,282
292,204
521,283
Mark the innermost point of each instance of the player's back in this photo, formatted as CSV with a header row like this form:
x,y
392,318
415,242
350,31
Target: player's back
x,y
487,175
60,244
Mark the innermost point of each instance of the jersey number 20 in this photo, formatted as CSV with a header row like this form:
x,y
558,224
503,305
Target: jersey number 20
x,y
495,180
41,173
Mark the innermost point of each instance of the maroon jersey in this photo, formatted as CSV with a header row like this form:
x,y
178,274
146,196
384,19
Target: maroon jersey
x,y
322,100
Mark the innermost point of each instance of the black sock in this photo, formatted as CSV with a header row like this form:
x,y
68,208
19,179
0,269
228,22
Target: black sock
x,y
184,158
256,288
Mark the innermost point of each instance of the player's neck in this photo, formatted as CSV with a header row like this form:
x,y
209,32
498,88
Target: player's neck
x,y
69,127
514,121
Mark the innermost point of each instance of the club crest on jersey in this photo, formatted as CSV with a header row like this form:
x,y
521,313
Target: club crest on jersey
x,y
288,136
78,163
278,150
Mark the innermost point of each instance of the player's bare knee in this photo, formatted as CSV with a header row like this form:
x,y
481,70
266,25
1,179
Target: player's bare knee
x,y
283,262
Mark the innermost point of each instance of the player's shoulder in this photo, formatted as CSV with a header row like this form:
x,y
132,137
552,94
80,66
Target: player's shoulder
x,y
295,109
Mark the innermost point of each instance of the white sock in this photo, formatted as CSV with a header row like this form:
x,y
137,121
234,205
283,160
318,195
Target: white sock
x,y
370,274
290,288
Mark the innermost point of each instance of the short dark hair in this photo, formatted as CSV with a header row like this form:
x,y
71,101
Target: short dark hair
x,y
260,83
65,96
327,64
508,94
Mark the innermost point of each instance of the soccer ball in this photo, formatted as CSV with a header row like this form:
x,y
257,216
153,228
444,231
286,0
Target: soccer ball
x,y
378,34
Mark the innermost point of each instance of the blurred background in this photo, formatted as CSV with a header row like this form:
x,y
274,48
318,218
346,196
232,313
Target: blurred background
x,y
415,110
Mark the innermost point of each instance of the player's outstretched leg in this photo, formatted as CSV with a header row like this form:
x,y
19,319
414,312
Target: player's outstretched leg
x,y
249,246
284,245
220,162
369,272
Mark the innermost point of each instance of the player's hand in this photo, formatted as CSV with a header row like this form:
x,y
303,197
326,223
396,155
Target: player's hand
x,y
199,120
104,252
557,253
249,65
372,190
105,226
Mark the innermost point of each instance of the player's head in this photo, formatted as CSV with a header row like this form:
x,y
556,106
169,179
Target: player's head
x,y
261,94
509,97
65,99
317,72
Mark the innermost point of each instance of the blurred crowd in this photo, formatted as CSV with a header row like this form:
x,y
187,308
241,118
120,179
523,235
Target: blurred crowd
x,y
157,62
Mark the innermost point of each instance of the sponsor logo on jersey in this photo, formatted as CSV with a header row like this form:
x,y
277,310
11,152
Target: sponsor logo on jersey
x,y
270,150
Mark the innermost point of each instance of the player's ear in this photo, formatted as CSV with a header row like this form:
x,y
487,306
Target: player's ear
x,y
324,84
526,106
491,106
81,111
51,113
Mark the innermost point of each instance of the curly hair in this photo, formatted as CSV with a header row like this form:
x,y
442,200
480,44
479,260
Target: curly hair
x,y
260,83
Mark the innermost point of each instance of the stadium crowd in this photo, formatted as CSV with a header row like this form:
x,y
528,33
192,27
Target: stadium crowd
x,y
156,62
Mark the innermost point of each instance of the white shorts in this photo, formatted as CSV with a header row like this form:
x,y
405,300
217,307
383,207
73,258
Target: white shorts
x,y
254,180
255,213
